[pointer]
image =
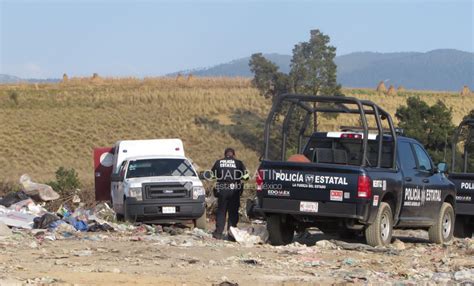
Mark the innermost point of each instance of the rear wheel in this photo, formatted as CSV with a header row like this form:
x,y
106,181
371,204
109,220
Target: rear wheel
x,y
462,227
201,222
281,229
379,233
442,230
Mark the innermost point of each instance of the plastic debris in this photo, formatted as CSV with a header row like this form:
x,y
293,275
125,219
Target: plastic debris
x,y
250,236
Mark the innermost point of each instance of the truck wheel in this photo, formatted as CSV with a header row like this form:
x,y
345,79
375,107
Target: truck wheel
x,y
201,222
462,228
119,217
281,231
126,214
442,230
379,233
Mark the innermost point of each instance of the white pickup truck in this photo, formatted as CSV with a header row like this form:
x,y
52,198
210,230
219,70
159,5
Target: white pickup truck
x,y
150,181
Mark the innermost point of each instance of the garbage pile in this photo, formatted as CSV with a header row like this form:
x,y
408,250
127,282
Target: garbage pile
x,y
25,210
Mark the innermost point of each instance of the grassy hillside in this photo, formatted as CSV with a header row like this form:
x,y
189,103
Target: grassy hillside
x,y
53,125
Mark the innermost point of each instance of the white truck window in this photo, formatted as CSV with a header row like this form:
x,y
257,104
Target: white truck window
x,y
159,167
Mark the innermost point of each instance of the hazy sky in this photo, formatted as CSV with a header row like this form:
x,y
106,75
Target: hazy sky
x,y
144,38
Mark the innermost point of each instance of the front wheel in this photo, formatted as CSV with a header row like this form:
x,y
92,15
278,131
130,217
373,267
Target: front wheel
x,y
126,213
281,229
442,230
379,233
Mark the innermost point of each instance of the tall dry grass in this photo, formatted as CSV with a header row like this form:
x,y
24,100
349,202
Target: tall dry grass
x,y
59,124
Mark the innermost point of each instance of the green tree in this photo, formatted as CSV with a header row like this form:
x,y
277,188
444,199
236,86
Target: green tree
x,y
267,79
313,70
431,125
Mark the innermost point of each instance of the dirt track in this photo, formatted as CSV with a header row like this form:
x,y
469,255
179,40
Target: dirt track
x,y
193,258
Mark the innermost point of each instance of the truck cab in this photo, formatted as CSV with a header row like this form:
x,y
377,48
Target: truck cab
x,y
462,175
150,181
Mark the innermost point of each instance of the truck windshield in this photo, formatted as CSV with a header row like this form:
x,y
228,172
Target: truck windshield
x,y
159,167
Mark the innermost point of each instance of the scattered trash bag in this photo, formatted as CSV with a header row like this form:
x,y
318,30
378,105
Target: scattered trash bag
x,y
97,227
44,221
77,224
40,192
13,198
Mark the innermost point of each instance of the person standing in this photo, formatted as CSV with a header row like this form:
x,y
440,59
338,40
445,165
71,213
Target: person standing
x,y
229,173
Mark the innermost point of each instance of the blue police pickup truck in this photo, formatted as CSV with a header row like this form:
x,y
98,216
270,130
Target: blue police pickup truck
x,y
462,175
357,180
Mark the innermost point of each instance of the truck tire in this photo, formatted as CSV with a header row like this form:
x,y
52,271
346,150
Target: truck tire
x,y
379,233
126,214
119,217
281,231
201,222
462,228
442,230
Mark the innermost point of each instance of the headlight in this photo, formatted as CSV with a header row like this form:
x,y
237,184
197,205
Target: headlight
x,y
136,193
198,191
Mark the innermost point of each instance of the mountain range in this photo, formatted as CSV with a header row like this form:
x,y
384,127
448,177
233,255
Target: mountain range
x,y
443,69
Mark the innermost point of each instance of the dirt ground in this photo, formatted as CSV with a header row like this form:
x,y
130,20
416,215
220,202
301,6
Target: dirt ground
x,y
192,257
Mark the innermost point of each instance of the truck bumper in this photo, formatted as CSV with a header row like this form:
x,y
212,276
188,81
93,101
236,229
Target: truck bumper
x,y
152,210
359,211
464,209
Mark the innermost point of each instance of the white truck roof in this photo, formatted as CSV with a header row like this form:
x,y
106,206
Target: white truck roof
x,y
146,148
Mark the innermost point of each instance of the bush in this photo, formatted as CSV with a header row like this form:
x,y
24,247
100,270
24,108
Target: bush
x,y
67,180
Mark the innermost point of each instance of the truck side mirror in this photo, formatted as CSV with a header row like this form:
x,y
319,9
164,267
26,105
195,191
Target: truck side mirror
x,y
116,178
442,167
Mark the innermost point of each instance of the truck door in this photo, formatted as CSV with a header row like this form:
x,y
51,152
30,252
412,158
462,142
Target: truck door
x,y
412,183
103,165
434,183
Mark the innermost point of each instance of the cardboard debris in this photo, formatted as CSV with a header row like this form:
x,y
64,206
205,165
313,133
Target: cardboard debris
x,y
17,219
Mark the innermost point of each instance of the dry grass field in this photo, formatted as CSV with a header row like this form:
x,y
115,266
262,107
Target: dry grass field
x,y
46,126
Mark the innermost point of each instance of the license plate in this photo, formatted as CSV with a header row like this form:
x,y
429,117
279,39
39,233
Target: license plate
x,y
336,195
310,207
168,210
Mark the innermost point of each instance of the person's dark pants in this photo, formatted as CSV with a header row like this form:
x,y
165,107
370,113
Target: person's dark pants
x,y
228,203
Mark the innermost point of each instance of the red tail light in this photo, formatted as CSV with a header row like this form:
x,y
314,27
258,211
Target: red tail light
x,y
259,180
364,187
351,136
